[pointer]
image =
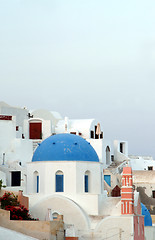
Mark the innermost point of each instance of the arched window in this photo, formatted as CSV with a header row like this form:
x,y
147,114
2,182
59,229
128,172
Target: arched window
x,y
59,180
55,215
107,155
36,182
87,181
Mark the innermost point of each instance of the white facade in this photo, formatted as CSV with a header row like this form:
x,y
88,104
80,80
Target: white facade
x,y
74,174
142,163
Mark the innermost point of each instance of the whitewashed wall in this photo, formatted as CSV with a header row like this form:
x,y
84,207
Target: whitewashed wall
x,y
141,163
73,181
118,156
100,146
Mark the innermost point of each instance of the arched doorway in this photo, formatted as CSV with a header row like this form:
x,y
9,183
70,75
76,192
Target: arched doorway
x,y
108,155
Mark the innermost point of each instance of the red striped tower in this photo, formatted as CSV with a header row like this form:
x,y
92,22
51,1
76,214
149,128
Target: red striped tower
x,y
127,195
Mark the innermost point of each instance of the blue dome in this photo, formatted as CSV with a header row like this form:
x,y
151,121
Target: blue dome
x,y
65,147
147,216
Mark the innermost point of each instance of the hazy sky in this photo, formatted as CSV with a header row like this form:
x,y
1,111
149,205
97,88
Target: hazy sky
x,y
84,59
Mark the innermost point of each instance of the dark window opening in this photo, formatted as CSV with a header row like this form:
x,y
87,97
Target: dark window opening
x,y
112,158
150,168
121,147
15,178
73,133
96,136
37,184
153,193
17,128
91,134
101,135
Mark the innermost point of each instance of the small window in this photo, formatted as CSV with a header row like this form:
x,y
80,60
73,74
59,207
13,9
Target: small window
x,y
101,135
91,134
55,215
17,128
73,133
59,179
121,147
96,136
153,193
150,168
36,182
86,181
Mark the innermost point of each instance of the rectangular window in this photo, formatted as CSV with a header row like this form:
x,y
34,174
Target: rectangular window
x,y
37,184
86,183
59,183
91,134
96,136
121,147
101,135
153,193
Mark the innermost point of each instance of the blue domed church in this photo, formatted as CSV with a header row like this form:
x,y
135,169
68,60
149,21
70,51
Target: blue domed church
x,y
65,169
66,176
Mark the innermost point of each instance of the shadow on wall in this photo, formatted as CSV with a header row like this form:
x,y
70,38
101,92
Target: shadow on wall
x,y
149,202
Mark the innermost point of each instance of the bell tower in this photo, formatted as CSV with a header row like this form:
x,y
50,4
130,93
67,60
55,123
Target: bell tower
x,y
127,195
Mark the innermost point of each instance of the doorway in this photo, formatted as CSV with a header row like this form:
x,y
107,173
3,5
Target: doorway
x,y
15,178
35,130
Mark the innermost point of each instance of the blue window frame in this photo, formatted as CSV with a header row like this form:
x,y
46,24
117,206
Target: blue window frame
x,y
59,183
86,183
